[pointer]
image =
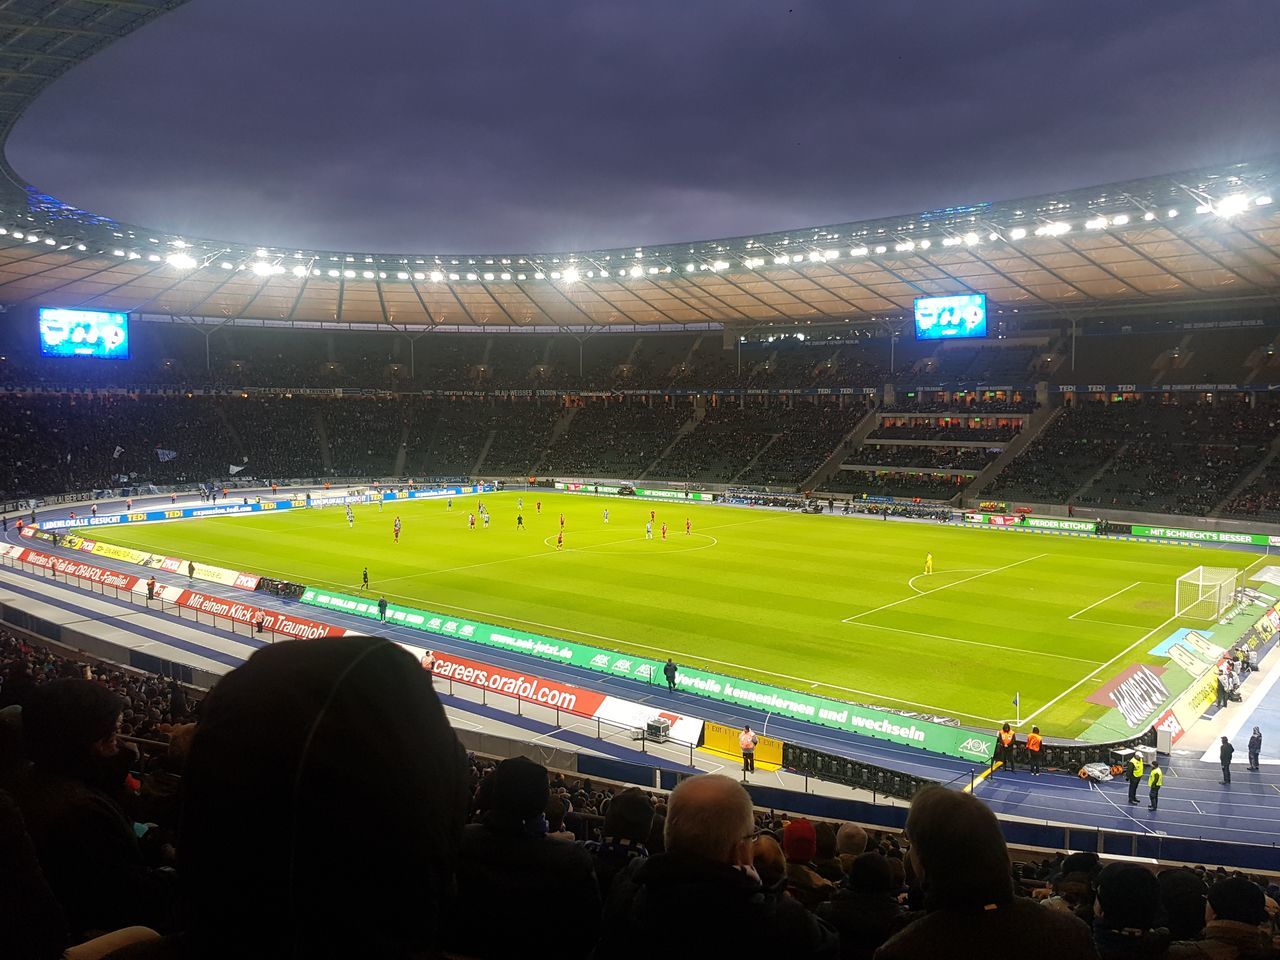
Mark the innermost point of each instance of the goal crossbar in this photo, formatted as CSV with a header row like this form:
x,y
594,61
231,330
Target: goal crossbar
x,y
1206,593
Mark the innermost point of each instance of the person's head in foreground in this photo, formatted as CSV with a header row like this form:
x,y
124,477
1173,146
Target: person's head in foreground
x,y
957,851
710,817
324,798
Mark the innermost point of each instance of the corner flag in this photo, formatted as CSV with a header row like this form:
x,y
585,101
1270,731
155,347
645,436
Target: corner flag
x,y
1015,700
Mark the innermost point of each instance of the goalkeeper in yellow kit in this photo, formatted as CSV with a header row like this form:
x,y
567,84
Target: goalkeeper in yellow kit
x,y
928,563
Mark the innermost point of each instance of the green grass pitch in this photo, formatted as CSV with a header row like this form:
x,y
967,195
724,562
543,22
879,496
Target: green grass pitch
x,y
832,605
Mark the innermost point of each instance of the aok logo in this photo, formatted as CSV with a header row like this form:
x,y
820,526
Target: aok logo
x,y
976,746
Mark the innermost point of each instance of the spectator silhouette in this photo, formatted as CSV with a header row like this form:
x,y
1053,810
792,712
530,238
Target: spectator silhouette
x,y
706,873
325,794
960,858
509,864
627,823
1234,915
864,909
1127,913
71,800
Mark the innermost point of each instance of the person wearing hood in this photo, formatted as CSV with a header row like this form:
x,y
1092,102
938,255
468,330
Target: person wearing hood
x,y
703,897
1127,913
511,870
323,802
960,859
1234,914
71,801
864,909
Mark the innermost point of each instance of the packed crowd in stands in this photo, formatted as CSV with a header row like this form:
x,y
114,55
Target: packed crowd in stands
x,y
322,806
924,429
611,439
810,432
913,455
928,486
1260,499
1142,454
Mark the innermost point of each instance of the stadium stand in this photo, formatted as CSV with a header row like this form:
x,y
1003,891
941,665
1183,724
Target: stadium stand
x,y
457,831
612,440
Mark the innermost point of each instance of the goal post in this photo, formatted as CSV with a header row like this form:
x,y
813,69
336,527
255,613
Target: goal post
x,y
1206,593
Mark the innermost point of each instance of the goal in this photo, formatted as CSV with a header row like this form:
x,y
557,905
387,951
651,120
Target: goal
x,y
1206,593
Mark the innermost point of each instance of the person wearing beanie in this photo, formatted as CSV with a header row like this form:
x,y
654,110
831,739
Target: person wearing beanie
x,y
627,823
800,845
324,797
1234,913
826,861
1127,914
960,861
1182,894
508,867
864,908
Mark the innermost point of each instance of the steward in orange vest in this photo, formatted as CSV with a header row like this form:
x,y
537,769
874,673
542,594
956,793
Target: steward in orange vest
x,y
1034,744
1006,743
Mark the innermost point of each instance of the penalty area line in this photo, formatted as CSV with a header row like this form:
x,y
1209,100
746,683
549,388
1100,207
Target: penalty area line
x,y
945,586
1111,596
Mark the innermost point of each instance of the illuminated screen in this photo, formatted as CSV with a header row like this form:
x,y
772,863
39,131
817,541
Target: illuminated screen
x,y
84,333
948,318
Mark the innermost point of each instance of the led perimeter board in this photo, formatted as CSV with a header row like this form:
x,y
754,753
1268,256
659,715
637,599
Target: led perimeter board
x,y
84,333
951,318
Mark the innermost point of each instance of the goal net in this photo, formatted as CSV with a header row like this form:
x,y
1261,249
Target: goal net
x,y
1206,593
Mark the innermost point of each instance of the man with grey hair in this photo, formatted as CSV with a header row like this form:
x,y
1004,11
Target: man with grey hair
x,y
703,893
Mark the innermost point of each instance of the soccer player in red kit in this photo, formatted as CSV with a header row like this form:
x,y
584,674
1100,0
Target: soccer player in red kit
x,y
539,505
664,529
562,521
560,540
688,525
396,531
653,515
471,520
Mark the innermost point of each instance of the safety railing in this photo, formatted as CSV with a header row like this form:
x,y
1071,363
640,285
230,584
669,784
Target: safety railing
x,y
157,604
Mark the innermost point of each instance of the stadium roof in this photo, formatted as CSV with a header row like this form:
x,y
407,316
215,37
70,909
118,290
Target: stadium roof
x,y
1209,236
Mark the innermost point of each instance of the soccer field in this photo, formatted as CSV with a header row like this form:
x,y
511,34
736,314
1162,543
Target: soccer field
x,y
826,604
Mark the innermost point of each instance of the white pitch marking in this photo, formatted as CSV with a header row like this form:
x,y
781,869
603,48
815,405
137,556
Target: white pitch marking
x,y
1135,583
956,583
975,643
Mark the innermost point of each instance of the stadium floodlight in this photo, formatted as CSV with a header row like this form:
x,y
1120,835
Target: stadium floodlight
x,y
401,275
454,276
570,275
539,275
436,276
781,261
691,267
348,274
1148,216
17,234
134,255
489,276
1097,223
881,249
815,256
180,244
952,241
261,268
260,253
50,241
81,246
335,274
926,244
520,276
1262,201
1121,220
637,271
1173,212
1017,233
719,265
367,274
1230,205
970,238
904,246
1055,229
653,270
181,261
858,252
299,271
1204,208
471,276
555,274
506,276
153,257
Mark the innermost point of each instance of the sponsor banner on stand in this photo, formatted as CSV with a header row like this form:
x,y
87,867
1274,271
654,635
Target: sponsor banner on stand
x,y
157,516
69,567
273,620
723,741
1205,536
517,684
880,724
1032,523
126,554
637,716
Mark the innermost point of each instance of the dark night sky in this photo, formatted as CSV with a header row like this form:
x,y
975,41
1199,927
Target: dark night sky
x,y
418,126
